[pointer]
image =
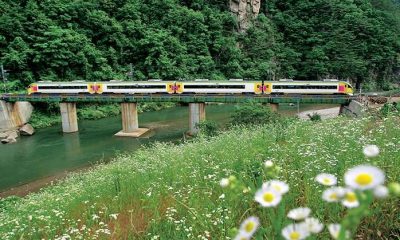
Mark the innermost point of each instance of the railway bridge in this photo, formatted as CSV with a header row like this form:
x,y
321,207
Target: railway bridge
x,y
130,125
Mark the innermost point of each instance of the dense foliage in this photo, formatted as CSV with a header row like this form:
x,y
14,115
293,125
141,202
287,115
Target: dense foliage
x,y
173,39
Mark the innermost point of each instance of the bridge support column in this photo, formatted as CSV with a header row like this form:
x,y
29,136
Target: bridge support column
x,y
68,117
130,126
274,106
197,113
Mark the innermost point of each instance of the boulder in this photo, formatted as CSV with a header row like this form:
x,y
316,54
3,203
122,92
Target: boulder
x,y
27,130
9,140
12,134
3,135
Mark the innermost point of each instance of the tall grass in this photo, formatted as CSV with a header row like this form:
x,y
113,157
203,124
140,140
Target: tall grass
x,y
172,191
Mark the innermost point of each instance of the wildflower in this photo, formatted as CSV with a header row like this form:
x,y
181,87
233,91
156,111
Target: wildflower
x,y
334,230
371,151
279,186
381,191
249,226
224,182
268,164
364,177
241,236
350,199
333,194
326,179
295,232
114,216
299,213
268,197
222,196
313,225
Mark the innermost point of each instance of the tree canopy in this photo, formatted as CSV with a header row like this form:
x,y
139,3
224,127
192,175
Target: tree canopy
x,y
185,39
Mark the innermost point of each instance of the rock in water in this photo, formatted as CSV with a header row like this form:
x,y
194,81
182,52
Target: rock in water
x,y
3,135
27,130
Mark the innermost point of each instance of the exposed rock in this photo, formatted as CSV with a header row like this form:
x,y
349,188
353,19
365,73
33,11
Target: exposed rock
x,y
246,11
27,130
14,115
13,134
24,111
378,100
3,135
8,140
324,113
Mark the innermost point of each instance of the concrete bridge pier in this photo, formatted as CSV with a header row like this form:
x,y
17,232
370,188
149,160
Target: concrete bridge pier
x,y
69,118
274,106
130,123
197,113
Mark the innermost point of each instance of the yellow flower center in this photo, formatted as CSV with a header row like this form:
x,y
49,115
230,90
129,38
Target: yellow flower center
x,y
249,226
268,197
351,197
326,181
333,196
294,235
277,188
364,179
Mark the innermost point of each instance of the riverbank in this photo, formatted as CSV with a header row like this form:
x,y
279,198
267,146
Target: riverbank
x,y
173,191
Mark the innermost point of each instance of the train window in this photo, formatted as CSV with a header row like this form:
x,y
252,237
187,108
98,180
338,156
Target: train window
x,y
62,87
136,87
304,86
216,86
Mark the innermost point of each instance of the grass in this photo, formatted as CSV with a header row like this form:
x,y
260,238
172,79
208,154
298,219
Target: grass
x,y
172,191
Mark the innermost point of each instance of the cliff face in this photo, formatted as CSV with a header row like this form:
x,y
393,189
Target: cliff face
x,y
245,10
13,116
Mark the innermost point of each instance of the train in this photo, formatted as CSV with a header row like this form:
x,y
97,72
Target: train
x,y
198,86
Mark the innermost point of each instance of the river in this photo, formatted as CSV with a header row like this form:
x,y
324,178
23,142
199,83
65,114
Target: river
x,y
49,152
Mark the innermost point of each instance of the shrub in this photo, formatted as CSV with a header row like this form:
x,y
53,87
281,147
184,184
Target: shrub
x,y
207,128
254,114
314,117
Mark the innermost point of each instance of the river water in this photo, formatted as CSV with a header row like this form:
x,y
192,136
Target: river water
x,y
50,152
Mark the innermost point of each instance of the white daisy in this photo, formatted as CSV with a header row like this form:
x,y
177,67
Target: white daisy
x,y
224,182
295,232
371,151
299,213
249,226
313,225
333,194
268,197
381,191
334,230
241,236
268,164
326,179
350,199
279,186
364,177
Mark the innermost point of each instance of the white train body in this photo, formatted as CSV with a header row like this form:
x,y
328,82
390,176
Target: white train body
x,y
143,87
194,87
219,87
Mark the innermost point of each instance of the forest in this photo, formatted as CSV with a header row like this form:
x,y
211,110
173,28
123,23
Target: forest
x,y
64,40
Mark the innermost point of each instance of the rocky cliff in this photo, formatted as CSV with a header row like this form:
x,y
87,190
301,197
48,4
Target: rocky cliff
x,y
245,10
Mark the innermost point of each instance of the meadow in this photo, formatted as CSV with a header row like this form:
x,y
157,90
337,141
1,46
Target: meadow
x,y
205,188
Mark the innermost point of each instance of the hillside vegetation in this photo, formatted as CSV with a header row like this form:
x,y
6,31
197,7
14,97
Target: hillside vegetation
x,y
173,39
173,191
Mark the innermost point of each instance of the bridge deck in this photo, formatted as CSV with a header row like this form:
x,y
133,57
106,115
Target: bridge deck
x,y
187,98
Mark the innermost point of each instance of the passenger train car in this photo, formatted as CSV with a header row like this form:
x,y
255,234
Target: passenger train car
x,y
195,87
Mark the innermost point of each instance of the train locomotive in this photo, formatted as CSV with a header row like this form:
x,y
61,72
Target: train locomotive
x,y
201,86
